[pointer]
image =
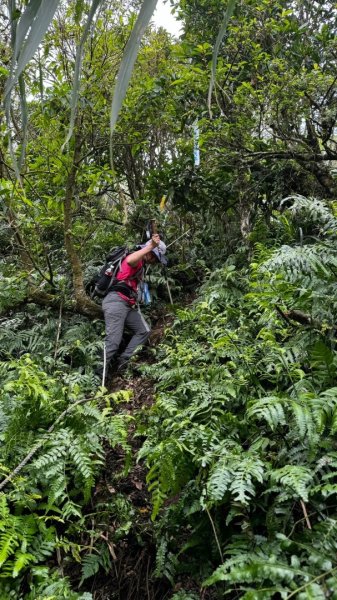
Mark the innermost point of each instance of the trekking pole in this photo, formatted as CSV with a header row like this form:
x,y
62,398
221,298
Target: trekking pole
x,y
168,289
104,366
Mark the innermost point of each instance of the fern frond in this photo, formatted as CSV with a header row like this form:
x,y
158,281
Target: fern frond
x,y
299,261
219,481
304,421
235,473
91,564
9,541
166,562
295,478
269,409
313,211
254,568
82,459
22,560
312,591
246,470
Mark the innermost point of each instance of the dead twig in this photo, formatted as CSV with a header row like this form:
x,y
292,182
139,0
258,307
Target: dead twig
x,y
59,325
215,534
304,508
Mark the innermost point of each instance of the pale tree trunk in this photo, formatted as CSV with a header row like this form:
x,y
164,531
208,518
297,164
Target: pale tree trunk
x,y
244,205
245,219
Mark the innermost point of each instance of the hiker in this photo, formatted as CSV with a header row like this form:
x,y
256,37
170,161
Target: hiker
x,y
120,304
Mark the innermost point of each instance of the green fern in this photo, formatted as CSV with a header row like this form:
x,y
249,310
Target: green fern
x,y
166,562
18,537
267,568
294,477
22,560
269,409
91,564
219,480
235,473
181,595
312,211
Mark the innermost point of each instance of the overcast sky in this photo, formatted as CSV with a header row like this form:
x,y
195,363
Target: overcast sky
x,y
164,18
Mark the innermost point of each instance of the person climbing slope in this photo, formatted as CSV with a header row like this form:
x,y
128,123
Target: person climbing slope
x,y
120,304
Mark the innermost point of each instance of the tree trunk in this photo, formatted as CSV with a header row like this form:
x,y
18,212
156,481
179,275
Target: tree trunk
x,y
83,304
326,180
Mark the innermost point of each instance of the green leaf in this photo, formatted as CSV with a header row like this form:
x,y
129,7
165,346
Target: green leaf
x,y
228,14
36,20
78,65
24,24
22,559
295,477
128,61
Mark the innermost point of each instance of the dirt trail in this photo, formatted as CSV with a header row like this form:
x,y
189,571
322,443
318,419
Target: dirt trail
x,y
133,555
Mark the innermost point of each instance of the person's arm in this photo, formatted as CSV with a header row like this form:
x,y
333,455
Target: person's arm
x,y
134,258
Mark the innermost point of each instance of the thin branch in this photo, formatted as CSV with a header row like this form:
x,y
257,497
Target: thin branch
x,y
59,325
215,534
297,522
292,155
304,508
325,574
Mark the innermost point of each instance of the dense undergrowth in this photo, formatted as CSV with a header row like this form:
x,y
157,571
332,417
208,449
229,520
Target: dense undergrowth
x,y
55,426
239,445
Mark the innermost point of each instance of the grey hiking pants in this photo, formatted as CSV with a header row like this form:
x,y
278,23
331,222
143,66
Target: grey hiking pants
x,y
118,314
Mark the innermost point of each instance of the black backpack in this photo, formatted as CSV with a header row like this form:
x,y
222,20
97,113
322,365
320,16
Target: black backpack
x,y
106,279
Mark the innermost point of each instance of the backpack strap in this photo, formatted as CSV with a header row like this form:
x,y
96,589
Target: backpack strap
x,y
138,274
124,289
121,285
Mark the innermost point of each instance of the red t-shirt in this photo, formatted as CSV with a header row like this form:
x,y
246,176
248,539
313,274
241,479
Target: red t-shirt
x,y
124,274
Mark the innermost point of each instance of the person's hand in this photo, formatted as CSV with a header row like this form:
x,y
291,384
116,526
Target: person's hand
x,y
155,240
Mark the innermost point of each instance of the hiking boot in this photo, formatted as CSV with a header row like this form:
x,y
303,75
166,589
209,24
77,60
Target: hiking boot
x,y
122,366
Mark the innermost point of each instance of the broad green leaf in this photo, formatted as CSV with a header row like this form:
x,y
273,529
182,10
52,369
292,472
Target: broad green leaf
x,y
128,61
24,117
228,14
40,20
24,24
78,65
